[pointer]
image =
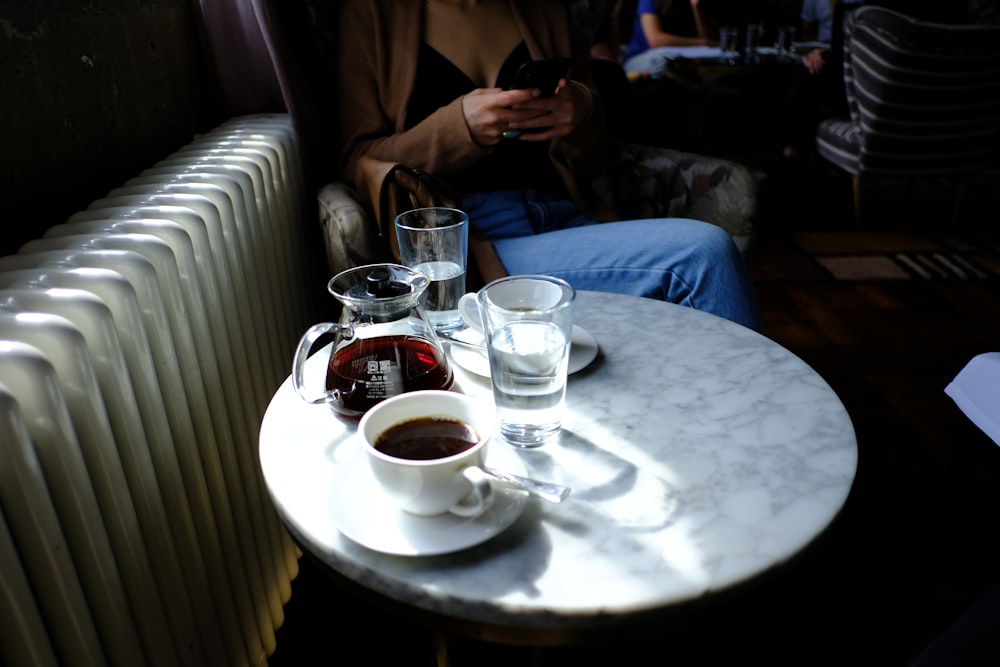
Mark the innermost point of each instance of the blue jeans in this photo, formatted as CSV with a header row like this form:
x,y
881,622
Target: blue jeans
x,y
680,260
651,61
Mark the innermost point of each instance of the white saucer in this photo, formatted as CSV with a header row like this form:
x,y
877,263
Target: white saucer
x,y
582,352
366,515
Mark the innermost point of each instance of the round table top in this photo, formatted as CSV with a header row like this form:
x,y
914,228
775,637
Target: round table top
x,y
700,453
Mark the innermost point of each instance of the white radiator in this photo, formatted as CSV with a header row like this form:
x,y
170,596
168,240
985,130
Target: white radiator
x,y
139,345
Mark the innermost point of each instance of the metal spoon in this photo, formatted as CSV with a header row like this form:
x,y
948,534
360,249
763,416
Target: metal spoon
x,y
554,493
453,338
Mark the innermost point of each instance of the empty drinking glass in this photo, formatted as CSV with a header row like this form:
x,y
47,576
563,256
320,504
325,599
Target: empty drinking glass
x,y
784,39
755,31
729,42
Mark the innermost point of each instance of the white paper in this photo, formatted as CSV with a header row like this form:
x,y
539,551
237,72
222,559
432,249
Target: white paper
x,y
976,391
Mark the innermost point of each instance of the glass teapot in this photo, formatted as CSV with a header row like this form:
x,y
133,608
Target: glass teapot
x,y
383,345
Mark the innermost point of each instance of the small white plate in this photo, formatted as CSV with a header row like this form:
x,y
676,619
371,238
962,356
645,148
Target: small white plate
x,y
582,352
366,515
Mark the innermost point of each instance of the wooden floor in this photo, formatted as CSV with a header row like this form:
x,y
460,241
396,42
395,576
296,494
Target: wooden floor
x,y
916,543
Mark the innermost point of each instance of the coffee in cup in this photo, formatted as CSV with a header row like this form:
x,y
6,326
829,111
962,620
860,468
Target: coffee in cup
x,y
427,438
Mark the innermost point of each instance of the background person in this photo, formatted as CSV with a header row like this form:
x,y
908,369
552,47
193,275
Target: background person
x,y
660,23
816,89
817,20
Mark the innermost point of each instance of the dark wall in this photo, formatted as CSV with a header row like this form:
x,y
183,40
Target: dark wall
x,y
770,12
91,93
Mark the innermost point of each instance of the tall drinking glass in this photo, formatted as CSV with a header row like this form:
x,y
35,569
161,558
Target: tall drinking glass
x,y
528,322
784,40
755,32
729,43
435,242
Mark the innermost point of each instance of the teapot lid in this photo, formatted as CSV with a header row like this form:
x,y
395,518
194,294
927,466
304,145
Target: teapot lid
x,y
378,288
378,284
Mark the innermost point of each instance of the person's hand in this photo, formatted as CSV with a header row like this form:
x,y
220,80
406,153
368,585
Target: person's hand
x,y
492,112
552,117
814,61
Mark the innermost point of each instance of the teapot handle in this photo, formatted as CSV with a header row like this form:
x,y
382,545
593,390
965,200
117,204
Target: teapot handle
x,y
302,355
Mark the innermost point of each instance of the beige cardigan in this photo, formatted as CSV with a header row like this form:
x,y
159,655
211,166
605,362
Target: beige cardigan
x,y
377,50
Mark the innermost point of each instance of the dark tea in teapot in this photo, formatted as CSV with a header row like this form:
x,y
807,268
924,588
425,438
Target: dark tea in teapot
x,y
368,370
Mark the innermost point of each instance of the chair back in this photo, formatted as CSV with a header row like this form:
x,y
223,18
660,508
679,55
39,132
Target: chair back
x,y
843,12
924,97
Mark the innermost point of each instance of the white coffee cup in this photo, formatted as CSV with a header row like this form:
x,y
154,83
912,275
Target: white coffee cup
x,y
524,291
454,482
468,308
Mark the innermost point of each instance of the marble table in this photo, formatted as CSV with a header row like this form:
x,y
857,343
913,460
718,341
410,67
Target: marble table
x,y
701,455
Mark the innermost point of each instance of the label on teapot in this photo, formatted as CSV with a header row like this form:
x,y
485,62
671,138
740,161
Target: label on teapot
x,y
369,370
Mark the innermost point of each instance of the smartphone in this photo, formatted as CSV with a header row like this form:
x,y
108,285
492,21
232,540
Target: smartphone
x,y
542,74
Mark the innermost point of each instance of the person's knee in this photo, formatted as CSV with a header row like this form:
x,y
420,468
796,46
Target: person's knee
x,y
706,239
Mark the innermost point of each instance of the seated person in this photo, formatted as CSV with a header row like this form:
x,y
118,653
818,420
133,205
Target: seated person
x,y
817,20
524,164
660,23
607,40
817,84
606,67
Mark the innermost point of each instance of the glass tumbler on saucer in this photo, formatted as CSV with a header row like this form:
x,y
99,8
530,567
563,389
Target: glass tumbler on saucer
x,y
528,322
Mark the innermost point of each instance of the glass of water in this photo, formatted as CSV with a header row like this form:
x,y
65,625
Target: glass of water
x,y
528,323
728,43
755,31
435,242
785,40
